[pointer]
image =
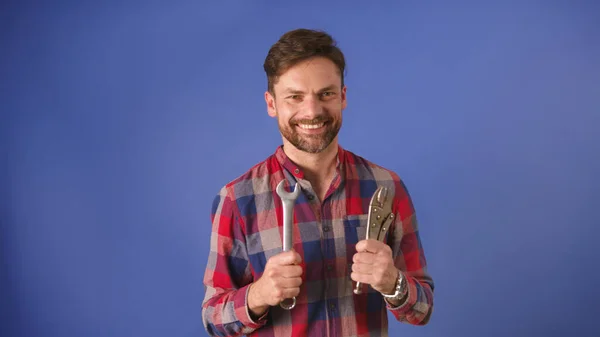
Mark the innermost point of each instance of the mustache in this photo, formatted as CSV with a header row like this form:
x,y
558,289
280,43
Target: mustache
x,y
316,120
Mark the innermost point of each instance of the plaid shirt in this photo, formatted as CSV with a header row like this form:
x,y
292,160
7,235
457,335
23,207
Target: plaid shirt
x,y
247,227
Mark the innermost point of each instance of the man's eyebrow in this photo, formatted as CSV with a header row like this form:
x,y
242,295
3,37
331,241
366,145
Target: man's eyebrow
x,y
329,87
294,91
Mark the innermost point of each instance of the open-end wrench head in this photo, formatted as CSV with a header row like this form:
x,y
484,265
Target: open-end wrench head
x,y
283,194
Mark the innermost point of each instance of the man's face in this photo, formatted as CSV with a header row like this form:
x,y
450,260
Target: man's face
x,y
308,104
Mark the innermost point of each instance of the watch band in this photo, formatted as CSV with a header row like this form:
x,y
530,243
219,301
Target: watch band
x,y
401,288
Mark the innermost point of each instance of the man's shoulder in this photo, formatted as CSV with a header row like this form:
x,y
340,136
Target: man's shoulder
x,y
255,178
368,170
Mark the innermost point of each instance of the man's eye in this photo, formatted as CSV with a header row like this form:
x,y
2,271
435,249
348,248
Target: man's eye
x,y
294,97
328,93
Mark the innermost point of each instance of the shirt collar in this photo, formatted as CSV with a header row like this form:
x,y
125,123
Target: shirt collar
x,y
296,171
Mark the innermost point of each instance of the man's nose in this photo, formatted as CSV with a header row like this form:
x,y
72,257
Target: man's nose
x,y
313,106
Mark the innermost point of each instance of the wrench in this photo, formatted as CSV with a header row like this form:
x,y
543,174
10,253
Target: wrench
x,y
288,199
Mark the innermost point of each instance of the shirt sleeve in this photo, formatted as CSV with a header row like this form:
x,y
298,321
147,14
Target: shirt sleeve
x,y
227,277
409,257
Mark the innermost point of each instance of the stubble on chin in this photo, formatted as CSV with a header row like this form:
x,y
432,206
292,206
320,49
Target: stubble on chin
x,y
310,143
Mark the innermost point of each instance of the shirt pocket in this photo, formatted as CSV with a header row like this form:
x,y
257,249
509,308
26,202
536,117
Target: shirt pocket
x,y
355,229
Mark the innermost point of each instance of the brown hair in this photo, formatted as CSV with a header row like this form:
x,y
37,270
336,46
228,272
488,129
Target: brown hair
x,y
298,45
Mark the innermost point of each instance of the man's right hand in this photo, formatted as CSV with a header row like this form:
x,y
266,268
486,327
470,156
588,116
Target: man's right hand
x,y
281,279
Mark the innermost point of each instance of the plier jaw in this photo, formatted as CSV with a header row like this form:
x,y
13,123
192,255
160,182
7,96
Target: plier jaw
x,y
380,215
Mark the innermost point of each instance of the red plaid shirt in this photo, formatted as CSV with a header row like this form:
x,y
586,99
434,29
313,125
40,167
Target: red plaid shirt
x,y
247,231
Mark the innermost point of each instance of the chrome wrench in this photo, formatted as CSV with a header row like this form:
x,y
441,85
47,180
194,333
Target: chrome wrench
x,y
288,199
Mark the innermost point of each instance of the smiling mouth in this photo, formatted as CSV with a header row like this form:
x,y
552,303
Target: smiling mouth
x,y
311,126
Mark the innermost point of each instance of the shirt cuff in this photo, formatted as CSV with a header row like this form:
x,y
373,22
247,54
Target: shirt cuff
x,y
410,300
243,312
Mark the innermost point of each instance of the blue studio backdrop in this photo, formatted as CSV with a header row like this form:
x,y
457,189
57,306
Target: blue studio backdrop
x,y
121,120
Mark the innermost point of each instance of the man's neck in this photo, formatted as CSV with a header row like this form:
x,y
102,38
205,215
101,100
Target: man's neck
x,y
318,168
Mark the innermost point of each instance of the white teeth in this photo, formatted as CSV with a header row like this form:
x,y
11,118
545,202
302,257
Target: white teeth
x,y
311,126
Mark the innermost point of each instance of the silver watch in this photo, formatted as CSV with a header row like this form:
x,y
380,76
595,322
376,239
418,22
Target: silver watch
x,y
401,288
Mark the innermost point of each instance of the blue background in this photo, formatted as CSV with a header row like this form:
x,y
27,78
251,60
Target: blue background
x,y
118,124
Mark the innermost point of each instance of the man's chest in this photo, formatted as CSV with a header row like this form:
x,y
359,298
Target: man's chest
x,y
324,233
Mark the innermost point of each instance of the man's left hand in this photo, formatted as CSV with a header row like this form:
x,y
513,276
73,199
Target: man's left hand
x,y
374,265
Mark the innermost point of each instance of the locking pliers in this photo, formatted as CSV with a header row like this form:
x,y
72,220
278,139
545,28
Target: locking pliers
x,y
379,219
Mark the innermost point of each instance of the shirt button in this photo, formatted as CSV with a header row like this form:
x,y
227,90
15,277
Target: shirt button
x,y
332,306
296,171
326,229
310,197
329,267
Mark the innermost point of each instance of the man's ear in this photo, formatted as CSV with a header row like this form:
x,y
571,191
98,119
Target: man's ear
x,y
344,101
270,100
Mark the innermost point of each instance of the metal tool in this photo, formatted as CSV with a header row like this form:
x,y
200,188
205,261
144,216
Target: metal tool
x,y
379,219
288,199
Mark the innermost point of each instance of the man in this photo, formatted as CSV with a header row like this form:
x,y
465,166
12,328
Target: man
x,y
248,274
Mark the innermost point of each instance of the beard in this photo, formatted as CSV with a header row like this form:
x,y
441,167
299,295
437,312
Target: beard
x,y
308,142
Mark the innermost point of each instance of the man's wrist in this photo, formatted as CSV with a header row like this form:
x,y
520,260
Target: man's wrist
x,y
255,307
400,291
392,288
